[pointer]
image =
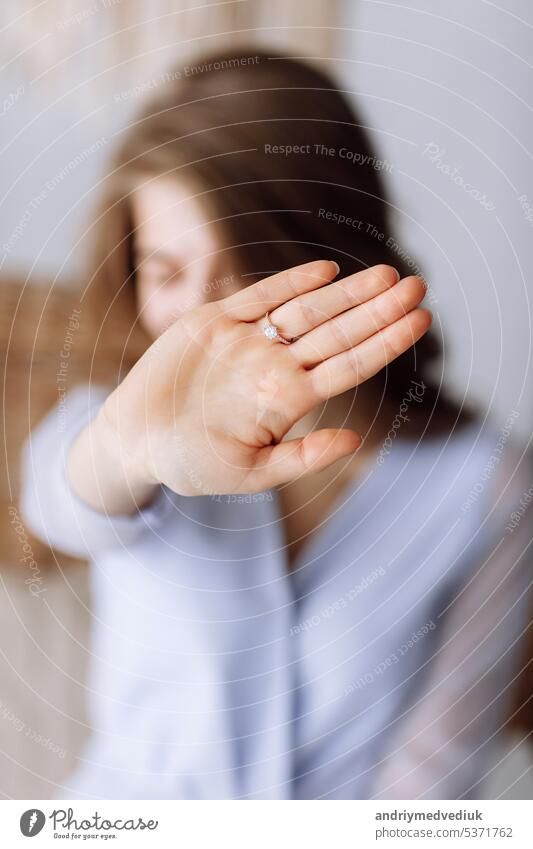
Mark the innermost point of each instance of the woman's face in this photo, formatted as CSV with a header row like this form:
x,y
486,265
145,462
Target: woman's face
x,y
180,264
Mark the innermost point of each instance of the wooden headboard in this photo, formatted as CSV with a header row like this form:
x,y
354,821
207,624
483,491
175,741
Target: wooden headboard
x,y
37,325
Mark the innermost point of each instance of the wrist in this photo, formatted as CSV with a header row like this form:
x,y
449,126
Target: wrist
x,y
104,474
113,446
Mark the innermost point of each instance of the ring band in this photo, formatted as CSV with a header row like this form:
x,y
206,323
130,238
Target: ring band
x,y
271,332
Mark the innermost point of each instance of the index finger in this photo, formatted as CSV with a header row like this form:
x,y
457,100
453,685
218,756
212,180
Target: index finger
x,y
254,301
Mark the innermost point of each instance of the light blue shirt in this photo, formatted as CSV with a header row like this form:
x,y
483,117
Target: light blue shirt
x,y
380,666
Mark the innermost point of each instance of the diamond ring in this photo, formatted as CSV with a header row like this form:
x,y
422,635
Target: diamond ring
x,y
271,332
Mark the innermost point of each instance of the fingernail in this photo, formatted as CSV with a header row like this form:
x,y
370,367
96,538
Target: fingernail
x,y
337,266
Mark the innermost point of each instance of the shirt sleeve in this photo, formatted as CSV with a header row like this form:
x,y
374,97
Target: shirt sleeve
x,y
48,505
443,742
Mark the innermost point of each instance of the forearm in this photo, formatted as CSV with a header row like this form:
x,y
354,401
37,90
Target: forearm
x,y
101,473
50,505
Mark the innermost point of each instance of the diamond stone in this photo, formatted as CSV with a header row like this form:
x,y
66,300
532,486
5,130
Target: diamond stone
x,y
270,331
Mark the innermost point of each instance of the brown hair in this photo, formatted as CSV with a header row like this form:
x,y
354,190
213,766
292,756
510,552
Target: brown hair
x,y
288,172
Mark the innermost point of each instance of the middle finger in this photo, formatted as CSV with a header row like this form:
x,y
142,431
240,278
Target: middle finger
x,y
352,327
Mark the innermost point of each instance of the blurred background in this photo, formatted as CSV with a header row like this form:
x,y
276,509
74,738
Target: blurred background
x,y
447,94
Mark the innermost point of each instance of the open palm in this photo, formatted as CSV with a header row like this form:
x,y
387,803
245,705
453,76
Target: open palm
x,y
206,408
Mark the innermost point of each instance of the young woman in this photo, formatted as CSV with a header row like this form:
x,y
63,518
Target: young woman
x,y
302,585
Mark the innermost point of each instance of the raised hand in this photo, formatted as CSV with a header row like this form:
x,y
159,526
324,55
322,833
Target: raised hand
x,y
207,406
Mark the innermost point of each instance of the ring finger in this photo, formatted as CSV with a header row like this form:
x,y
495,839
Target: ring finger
x,y
311,309
352,327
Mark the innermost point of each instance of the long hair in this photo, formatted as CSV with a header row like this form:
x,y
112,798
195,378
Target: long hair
x,y
286,171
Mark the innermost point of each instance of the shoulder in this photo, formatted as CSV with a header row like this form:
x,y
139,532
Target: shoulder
x,y
469,492
467,472
496,467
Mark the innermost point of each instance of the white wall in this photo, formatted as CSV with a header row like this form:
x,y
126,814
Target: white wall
x,y
458,76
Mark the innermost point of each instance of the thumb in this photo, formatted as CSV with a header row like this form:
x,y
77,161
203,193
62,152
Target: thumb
x,y
277,464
